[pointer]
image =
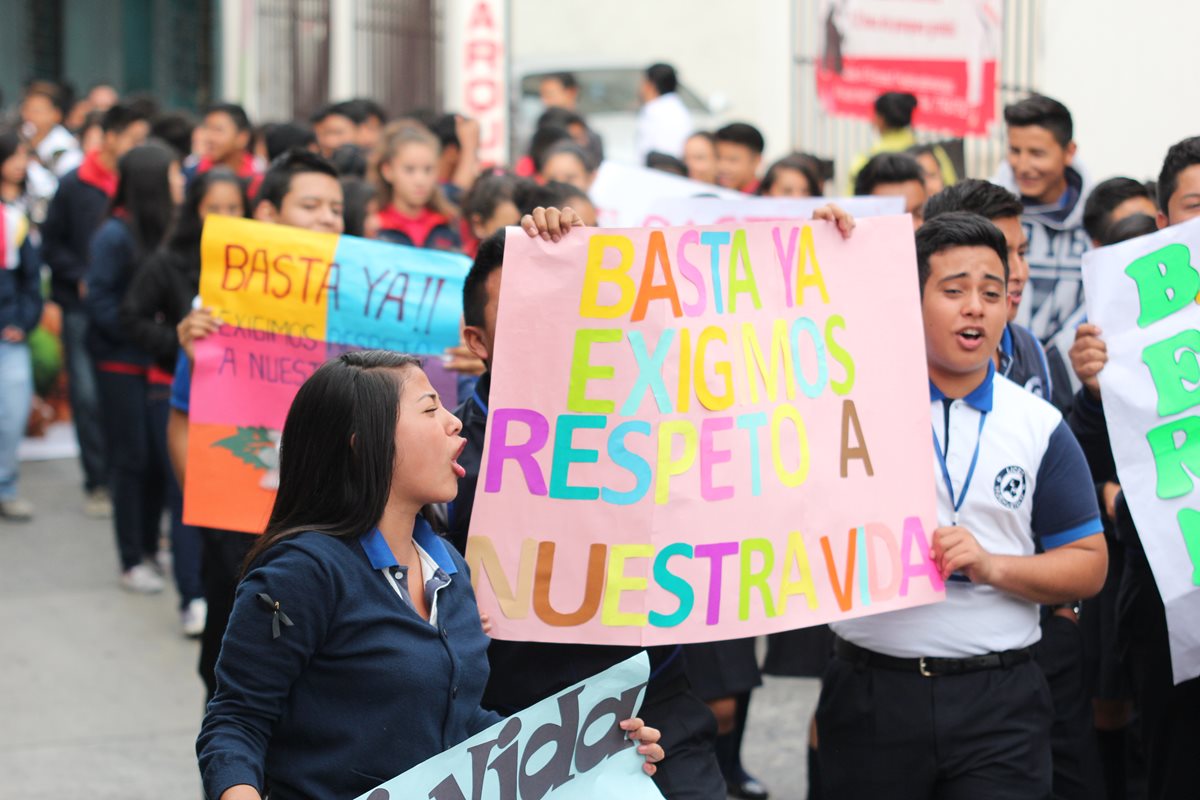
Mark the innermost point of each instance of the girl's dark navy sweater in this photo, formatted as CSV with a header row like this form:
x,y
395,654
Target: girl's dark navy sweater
x,y
357,690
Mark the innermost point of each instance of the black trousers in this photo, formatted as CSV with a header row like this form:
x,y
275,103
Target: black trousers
x,y
221,557
1076,754
976,736
689,733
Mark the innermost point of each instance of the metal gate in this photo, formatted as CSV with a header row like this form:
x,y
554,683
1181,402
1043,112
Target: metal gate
x,y
293,57
395,59
841,139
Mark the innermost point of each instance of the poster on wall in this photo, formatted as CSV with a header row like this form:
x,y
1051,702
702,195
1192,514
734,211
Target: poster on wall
x,y
942,51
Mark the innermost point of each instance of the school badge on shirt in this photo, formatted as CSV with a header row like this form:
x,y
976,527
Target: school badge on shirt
x,y
1010,487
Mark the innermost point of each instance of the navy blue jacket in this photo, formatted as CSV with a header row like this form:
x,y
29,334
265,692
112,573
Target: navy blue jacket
x,y
357,690
111,267
20,285
75,213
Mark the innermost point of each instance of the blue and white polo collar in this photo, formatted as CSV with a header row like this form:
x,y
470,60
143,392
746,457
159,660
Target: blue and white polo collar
x,y
980,398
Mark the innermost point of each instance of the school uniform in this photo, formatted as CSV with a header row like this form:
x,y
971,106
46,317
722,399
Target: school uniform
x,y
522,673
1167,712
74,215
427,229
1023,361
944,699
329,682
249,171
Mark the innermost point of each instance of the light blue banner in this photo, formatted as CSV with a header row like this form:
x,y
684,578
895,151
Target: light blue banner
x,y
567,747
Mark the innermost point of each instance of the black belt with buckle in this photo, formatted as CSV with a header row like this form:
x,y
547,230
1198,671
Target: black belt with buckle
x,y
932,666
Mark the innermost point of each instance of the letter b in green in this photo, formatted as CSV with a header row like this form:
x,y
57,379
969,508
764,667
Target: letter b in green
x,y
1166,281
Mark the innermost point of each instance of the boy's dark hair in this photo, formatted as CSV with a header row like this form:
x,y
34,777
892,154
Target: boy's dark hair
x,y
559,118
571,148
1104,199
120,117
366,108
488,258
887,168
895,109
357,195
350,161
662,77
741,133
279,137
567,79
57,94
979,197
554,194
806,165
277,182
445,128
1181,156
957,229
489,191
175,128
1131,227
666,163
339,109
1043,112
233,111
144,103
544,139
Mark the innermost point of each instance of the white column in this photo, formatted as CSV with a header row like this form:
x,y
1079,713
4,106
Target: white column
x,y
343,72
239,53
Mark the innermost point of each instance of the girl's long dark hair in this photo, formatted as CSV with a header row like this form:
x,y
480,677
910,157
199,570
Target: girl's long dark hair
x,y
143,198
338,449
185,234
10,142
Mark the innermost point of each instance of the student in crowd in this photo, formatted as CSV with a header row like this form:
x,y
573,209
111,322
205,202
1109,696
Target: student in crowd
x,y
414,210
176,129
566,162
525,672
663,122
350,161
333,126
360,211
577,127
276,138
43,109
1020,357
76,211
668,164
1112,201
20,311
371,118
1167,712
227,140
300,189
739,155
893,123
795,175
556,195
559,90
1042,168
975,708
894,174
458,161
491,206
158,299
1062,652
367,606
132,387
700,156
936,166
101,96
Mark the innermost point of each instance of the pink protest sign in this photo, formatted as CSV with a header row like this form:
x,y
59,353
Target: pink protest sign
x,y
698,434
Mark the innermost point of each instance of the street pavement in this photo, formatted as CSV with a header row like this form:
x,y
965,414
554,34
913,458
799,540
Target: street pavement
x,y
99,696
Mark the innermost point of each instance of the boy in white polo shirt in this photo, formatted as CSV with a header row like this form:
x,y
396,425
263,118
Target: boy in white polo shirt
x,y
944,700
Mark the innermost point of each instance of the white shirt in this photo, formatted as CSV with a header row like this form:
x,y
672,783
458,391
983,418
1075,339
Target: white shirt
x,y
663,126
1031,486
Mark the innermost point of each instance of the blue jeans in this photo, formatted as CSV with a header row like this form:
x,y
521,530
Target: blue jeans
x,y
85,403
16,393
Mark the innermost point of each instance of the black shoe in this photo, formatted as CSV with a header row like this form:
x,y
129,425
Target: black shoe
x,y
748,789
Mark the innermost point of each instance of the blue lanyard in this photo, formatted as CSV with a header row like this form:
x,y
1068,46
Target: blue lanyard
x,y
479,402
937,448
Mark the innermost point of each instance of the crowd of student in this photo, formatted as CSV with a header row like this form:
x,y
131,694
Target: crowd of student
x,y
1050,658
